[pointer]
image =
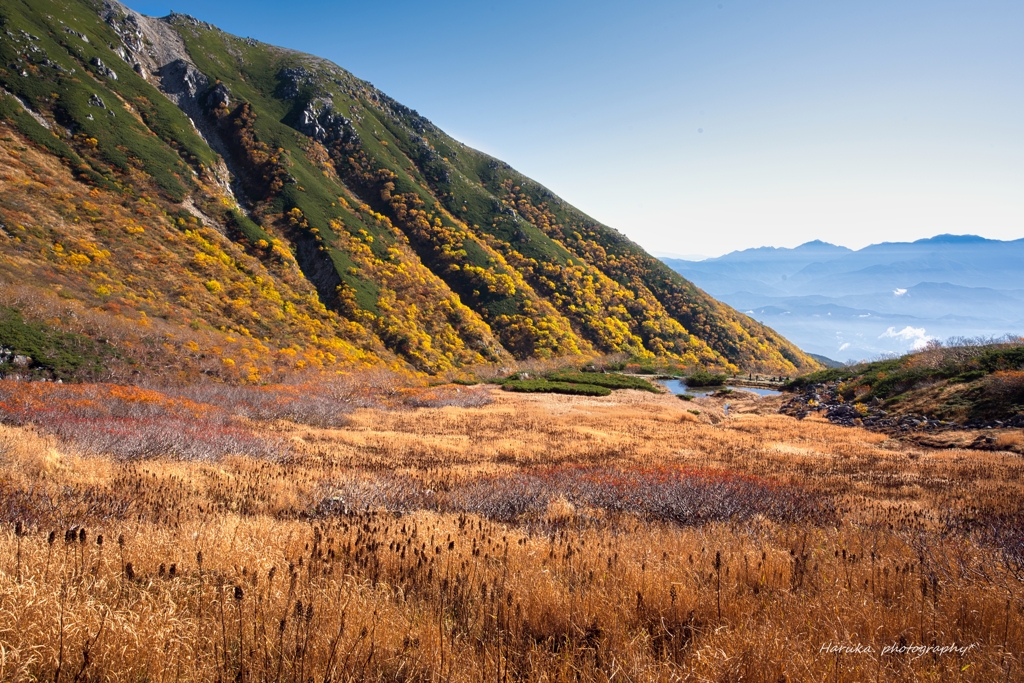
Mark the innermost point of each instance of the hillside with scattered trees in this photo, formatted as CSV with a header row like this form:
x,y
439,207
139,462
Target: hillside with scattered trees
x,y
184,199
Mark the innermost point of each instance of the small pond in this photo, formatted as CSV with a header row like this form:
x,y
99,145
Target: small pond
x,y
678,386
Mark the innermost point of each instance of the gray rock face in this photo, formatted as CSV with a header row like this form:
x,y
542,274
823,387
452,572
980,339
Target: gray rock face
x,y
57,67
292,79
102,69
842,412
156,52
182,78
17,360
321,122
77,34
97,101
125,25
219,96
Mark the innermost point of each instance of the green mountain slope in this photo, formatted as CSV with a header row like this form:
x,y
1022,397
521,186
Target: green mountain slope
x,y
285,171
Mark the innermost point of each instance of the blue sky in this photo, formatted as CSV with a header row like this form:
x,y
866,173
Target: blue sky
x,y
706,126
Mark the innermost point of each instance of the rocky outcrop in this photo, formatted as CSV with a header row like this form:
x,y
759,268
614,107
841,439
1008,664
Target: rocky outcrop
x,y
321,122
292,80
188,20
158,54
14,359
317,267
102,69
219,96
128,27
824,399
182,82
78,34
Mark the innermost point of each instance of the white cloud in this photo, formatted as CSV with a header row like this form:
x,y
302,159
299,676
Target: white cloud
x,y
845,346
899,291
917,336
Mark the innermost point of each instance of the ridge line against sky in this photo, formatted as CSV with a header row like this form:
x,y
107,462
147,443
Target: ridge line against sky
x,y
941,238
705,127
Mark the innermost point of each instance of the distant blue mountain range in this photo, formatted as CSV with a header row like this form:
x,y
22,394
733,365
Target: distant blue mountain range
x,y
884,298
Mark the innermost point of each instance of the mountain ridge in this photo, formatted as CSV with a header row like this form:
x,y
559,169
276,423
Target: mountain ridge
x,y
276,164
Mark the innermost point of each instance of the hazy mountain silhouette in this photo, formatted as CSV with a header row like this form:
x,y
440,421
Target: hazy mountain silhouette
x,y
841,303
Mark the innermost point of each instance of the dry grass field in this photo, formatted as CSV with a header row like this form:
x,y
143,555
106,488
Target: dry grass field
x,y
469,534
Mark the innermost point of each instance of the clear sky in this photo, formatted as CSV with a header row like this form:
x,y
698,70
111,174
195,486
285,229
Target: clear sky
x,y
699,127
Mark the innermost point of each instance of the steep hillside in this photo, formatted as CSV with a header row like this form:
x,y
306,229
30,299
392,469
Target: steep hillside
x,y
161,168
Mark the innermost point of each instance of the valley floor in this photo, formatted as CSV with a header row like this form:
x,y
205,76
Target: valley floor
x,y
465,534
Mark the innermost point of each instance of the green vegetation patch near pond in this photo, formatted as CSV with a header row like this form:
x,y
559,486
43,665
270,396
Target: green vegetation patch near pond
x,y
543,386
706,379
610,381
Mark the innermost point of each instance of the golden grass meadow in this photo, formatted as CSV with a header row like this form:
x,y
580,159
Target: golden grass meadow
x,y
468,534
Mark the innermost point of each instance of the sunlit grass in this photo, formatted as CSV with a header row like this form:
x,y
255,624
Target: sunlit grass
x,y
501,536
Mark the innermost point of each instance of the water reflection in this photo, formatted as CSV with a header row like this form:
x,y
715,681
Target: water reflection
x,y
678,386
